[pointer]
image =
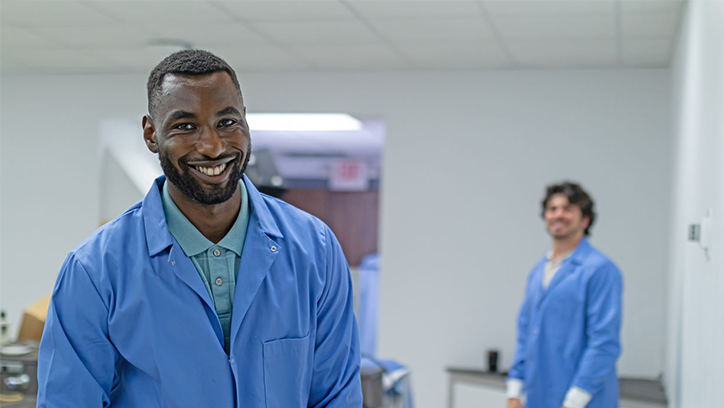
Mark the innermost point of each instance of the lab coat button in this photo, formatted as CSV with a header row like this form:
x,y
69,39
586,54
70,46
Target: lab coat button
x,y
273,249
219,281
217,252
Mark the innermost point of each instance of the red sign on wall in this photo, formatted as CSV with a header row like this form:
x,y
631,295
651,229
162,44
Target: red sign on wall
x,y
348,175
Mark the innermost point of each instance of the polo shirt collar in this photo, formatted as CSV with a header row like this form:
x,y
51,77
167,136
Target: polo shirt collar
x,y
192,241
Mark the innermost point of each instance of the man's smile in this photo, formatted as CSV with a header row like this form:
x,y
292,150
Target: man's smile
x,y
212,171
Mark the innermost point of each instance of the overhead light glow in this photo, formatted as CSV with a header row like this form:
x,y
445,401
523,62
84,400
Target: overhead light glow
x,y
302,121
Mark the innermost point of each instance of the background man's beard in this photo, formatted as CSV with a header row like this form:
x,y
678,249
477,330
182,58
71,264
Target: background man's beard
x,y
190,186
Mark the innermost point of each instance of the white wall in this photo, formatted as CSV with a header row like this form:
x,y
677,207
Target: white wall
x,y
696,296
466,159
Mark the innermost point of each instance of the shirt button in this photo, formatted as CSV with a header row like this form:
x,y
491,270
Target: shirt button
x,y
218,281
217,252
231,361
273,249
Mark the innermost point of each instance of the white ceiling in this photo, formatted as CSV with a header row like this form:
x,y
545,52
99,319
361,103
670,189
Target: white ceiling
x,y
111,36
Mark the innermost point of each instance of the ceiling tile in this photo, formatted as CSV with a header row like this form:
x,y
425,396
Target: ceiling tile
x,y
549,27
61,13
202,35
564,54
649,6
134,59
410,9
279,10
12,38
253,58
318,33
111,34
646,53
548,7
443,29
65,60
351,57
456,54
650,26
162,11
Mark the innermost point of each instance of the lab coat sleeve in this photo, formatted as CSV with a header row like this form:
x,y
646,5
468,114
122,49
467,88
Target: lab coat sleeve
x,y
76,362
336,378
603,313
517,370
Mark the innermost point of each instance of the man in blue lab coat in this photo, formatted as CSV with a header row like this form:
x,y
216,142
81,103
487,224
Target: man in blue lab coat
x,y
206,293
569,324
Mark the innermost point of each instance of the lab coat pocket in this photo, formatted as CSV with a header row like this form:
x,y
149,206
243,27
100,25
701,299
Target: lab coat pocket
x,y
286,372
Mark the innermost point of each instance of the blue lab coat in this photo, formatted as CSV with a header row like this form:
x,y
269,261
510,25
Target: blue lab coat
x,y
131,323
568,334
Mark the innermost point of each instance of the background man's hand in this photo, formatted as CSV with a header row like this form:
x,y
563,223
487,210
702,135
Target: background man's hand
x,y
514,403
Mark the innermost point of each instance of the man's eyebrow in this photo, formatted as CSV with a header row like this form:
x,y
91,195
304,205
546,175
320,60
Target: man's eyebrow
x,y
228,111
179,114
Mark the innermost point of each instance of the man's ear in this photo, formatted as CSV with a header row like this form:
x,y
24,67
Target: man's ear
x,y
586,221
149,133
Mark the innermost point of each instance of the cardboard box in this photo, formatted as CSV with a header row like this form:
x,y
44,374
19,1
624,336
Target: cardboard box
x,y
31,327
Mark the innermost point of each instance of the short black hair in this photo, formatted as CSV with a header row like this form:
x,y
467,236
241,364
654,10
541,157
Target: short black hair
x,y
576,196
185,62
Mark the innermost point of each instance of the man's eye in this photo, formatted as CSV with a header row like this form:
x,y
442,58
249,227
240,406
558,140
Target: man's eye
x,y
184,126
226,122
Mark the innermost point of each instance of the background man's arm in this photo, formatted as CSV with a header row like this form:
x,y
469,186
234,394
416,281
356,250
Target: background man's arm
x,y
516,375
603,313
336,378
76,364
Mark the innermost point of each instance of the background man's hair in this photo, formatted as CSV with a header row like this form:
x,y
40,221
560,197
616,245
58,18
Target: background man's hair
x,y
186,62
576,196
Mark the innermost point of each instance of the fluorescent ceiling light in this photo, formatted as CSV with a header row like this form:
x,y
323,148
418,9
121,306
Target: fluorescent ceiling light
x,y
302,121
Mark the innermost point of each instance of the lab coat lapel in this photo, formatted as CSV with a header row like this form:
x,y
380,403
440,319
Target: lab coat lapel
x,y
537,283
186,271
568,267
261,248
158,238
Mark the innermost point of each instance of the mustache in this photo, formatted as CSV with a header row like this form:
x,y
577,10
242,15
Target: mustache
x,y
185,160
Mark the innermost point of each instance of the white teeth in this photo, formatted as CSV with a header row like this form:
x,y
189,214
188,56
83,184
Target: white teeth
x,y
212,171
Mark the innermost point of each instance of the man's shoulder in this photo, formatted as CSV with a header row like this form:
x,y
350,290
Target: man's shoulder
x,y
292,220
600,265
598,258
112,236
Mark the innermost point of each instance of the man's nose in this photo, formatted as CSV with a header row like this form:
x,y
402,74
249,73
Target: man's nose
x,y
210,144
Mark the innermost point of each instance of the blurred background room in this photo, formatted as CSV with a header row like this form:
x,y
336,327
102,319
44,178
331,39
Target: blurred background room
x,y
450,118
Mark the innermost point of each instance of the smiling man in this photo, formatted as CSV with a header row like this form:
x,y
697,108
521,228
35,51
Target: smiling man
x,y
206,293
569,324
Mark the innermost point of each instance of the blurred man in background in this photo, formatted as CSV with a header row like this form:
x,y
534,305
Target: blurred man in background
x,y
569,323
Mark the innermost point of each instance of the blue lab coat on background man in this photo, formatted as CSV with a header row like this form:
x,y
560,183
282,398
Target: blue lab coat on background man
x,y
568,334
131,323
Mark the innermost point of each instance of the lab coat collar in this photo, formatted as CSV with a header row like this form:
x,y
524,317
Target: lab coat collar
x,y
581,252
158,238
568,266
259,211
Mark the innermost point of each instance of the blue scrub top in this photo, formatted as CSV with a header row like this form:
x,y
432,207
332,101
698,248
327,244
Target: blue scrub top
x,y
131,324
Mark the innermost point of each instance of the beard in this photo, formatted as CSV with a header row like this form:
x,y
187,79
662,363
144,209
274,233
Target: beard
x,y
190,186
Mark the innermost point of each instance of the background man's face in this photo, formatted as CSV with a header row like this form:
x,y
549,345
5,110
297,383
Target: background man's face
x,y
202,136
563,219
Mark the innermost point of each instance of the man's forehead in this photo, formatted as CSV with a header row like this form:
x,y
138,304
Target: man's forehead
x,y
179,90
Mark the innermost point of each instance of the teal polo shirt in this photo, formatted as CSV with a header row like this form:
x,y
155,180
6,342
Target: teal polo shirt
x,y
217,264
